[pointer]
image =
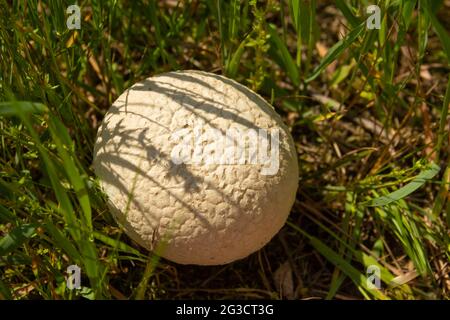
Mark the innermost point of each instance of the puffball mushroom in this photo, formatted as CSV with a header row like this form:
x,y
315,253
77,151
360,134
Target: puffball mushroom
x,y
196,167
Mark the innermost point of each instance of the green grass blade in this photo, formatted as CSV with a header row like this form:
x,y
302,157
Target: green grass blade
x,y
233,66
401,193
423,26
360,256
309,10
21,107
443,133
60,240
141,289
221,31
61,195
286,58
6,215
5,293
294,6
347,12
62,140
117,244
407,12
336,51
87,247
16,238
233,17
439,29
407,230
92,266
66,206
357,277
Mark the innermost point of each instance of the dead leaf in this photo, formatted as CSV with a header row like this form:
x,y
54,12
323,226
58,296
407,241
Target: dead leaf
x,y
425,73
321,49
284,281
404,278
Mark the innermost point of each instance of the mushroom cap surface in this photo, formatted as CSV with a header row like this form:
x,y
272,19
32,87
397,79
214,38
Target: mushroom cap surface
x,y
164,173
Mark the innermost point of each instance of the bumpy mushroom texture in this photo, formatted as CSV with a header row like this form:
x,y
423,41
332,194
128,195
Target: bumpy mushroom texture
x,y
192,213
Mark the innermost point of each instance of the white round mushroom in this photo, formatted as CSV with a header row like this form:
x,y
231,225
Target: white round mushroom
x,y
196,167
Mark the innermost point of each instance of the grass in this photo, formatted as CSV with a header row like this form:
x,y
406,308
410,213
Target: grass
x,y
368,110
